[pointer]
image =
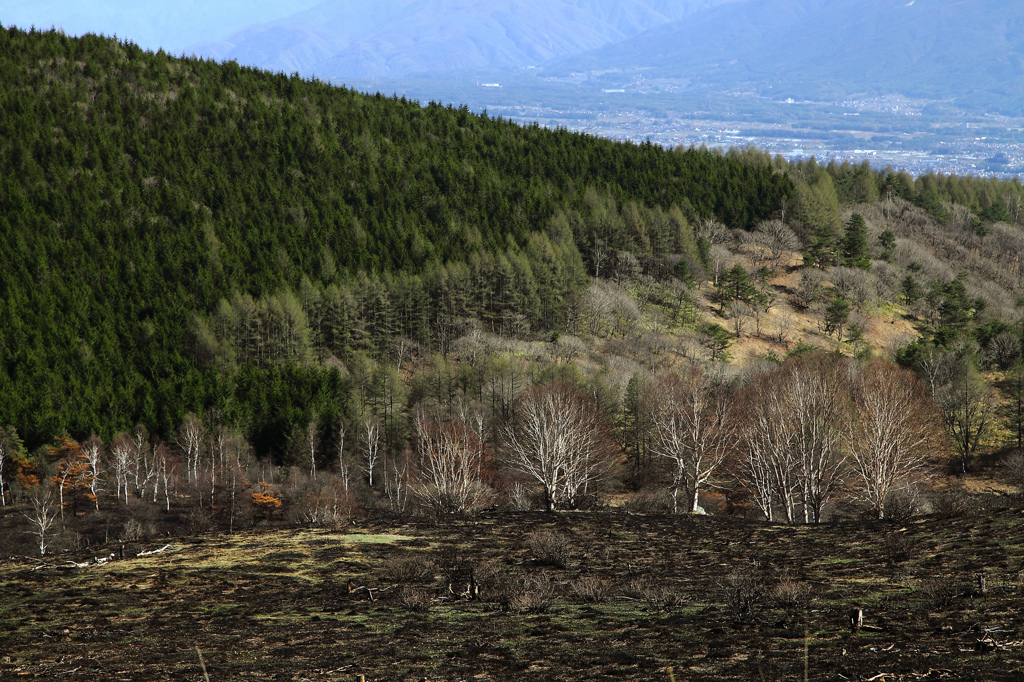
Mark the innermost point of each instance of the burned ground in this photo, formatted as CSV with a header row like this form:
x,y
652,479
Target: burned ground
x,y
685,598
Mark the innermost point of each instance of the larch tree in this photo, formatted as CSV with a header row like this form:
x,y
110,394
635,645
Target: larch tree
x,y
968,410
73,471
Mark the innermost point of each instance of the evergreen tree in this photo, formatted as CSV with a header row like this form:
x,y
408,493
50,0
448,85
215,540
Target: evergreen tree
x,y
855,244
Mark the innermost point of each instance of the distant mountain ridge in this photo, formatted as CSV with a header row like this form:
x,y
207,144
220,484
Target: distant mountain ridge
x,y
967,52
152,24
349,38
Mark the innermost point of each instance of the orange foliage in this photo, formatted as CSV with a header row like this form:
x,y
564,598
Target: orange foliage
x,y
74,475
265,500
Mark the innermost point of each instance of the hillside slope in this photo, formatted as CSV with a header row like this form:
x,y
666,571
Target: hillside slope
x,y
140,192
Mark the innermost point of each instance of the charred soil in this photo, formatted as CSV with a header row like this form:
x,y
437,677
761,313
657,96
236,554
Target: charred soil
x,y
619,597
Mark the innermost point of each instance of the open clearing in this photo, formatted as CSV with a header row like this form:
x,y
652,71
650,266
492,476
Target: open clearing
x,y
644,598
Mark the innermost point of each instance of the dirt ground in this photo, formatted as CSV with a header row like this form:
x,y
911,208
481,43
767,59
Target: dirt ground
x,y
596,596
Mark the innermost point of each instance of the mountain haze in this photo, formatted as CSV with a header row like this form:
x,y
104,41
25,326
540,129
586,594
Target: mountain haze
x,y
967,52
352,39
151,24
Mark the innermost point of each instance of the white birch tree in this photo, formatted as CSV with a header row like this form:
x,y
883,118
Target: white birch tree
x,y
450,458
43,514
890,432
694,430
189,439
557,439
371,446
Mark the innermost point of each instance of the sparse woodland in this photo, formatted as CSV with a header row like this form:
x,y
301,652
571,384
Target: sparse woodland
x,y
233,298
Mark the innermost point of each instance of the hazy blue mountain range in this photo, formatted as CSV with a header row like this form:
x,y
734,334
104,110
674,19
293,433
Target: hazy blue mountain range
x,y
152,24
359,39
967,51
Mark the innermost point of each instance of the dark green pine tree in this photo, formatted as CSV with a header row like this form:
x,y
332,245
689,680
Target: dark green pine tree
x,y
855,244
911,290
735,285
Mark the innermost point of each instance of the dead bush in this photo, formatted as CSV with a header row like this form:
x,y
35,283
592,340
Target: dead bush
x,y
413,600
199,521
408,569
1013,465
953,501
321,505
521,498
744,590
66,540
521,593
456,566
902,505
899,547
942,593
648,502
141,522
656,595
549,548
589,590
133,531
792,593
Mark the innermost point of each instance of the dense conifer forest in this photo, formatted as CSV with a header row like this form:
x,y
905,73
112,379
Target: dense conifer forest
x,y
144,194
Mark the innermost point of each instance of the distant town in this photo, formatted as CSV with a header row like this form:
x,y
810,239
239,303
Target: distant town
x,y
977,147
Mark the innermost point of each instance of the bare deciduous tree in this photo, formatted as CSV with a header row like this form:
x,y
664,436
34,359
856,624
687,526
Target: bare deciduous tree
x,y
396,484
142,460
309,442
342,463
967,408
793,436
43,514
93,452
121,458
371,446
450,456
890,432
695,431
190,439
818,398
778,240
558,440
739,312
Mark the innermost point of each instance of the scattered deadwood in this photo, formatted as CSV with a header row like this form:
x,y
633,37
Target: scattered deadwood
x,y
165,548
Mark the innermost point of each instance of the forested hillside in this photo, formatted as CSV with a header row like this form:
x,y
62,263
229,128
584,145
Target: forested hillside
x,y
152,206
232,296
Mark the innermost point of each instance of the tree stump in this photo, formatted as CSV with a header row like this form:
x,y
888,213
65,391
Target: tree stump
x,y
856,620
